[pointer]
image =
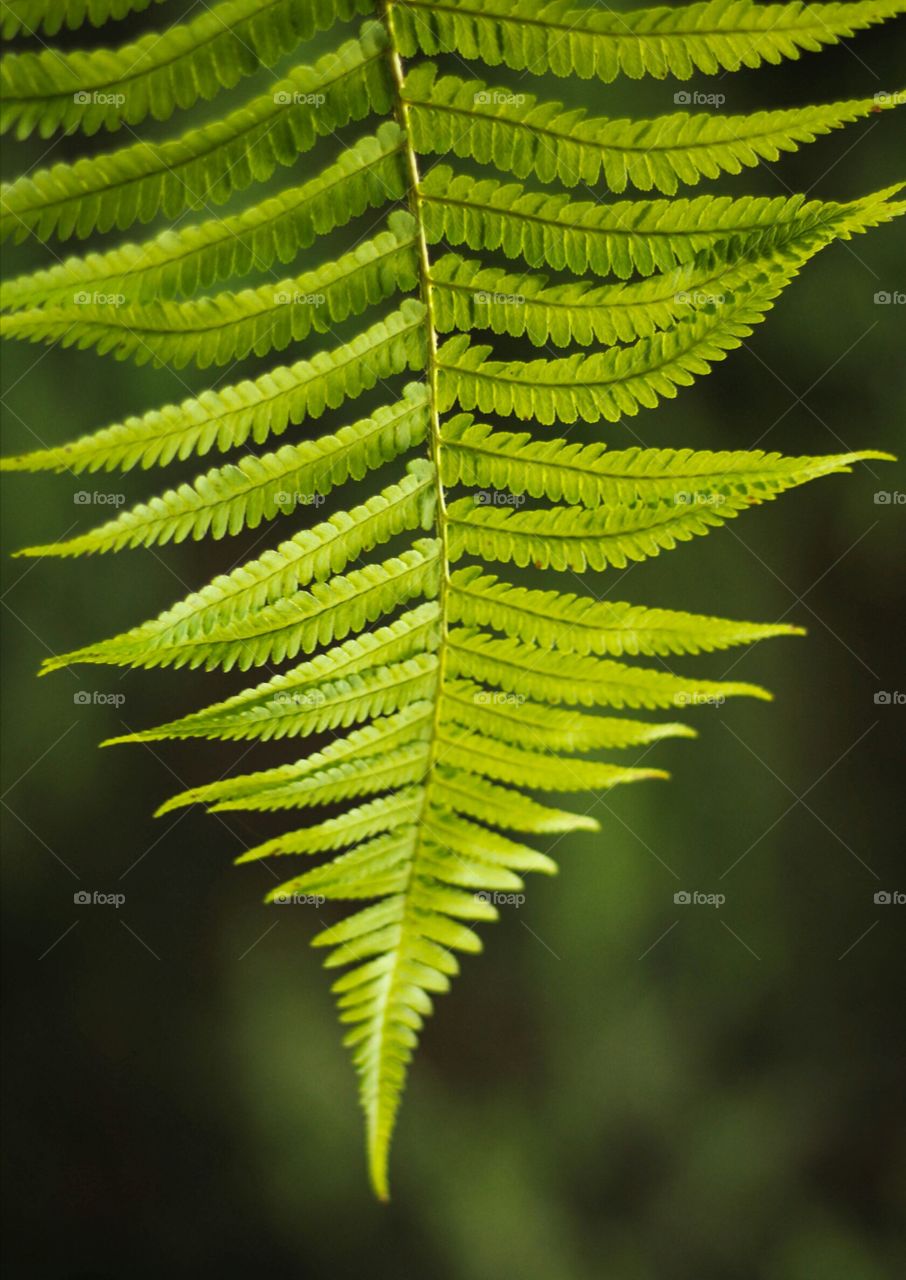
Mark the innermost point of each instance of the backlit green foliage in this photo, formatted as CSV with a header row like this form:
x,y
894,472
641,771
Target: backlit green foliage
x,y
442,688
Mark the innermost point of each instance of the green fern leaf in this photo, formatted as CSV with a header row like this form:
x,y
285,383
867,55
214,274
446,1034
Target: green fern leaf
x,y
158,73
566,39
206,165
177,262
444,695
517,134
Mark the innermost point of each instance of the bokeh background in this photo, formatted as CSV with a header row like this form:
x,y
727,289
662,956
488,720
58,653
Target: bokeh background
x,y
620,1086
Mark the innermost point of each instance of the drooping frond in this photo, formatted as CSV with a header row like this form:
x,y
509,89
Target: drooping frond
x,y
158,73
206,165
405,623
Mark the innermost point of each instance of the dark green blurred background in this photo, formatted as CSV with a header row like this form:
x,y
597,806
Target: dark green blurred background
x,y
621,1086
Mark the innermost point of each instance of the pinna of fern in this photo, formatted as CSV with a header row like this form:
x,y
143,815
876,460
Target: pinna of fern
x,y
444,686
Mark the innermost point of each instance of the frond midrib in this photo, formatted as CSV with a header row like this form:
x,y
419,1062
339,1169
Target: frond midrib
x,y
379,1123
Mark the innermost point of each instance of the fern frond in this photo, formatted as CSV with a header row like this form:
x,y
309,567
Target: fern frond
x,y
387,813
517,134
50,16
158,73
577,624
469,296
227,500
517,666
541,771
477,798
376,691
223,419
178,262
230,326
206,165
176,636
593,475
516,720
327,611
565,39
609,384
445,695
619,239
